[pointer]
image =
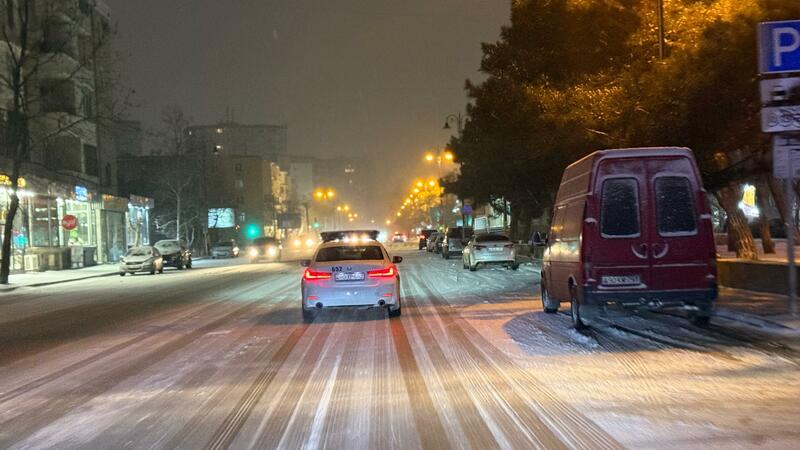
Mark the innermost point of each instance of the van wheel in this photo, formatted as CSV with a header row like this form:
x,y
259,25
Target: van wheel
x,y
700,320
575,310
549,305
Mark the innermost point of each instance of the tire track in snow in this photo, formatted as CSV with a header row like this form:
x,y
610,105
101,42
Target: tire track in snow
x,y
429,425
571,426
22,426
279,419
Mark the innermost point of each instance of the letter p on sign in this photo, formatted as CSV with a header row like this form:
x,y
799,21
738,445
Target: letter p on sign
x,y
779,47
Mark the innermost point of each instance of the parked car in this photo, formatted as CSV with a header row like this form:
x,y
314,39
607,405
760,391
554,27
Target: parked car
x,y
454,241
489,249
430,246
141,259
631,229
225,249
423,238
175,253
264,248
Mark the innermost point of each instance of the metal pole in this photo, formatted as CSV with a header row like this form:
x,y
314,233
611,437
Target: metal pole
x,y
661,43
790,227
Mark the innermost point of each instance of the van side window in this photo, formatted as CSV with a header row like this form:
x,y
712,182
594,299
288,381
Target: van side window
x,y
675,211
619,216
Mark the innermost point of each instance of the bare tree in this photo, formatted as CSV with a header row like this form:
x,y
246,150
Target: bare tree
x,y
46,53
174,123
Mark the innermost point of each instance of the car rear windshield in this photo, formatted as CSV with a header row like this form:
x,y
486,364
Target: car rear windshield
x,y
350,253
225,244
620,208
457,232
492,238
675,211
426,233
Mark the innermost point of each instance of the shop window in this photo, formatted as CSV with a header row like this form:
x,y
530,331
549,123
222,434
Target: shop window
x,y
44,222
84,233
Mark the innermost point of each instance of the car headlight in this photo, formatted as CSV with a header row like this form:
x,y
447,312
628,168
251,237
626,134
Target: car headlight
x,y
253,252
297,243
272,251
309,243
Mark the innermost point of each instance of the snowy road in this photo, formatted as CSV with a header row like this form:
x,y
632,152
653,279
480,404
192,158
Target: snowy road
x,y
218,357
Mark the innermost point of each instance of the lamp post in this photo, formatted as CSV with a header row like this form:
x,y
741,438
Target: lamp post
x,y
661,39
458,119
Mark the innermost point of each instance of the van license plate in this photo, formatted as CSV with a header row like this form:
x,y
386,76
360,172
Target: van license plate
x,y
355,276
622,280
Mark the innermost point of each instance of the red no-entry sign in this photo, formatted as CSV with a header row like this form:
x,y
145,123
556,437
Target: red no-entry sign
x,y
69,222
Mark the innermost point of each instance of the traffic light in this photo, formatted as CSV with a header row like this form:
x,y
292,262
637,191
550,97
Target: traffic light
x,y
252,230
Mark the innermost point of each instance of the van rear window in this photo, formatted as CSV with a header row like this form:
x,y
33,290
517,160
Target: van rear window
x,y
620,208
675,210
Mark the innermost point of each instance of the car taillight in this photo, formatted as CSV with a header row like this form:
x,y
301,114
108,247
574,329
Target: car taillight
x,y
391,271
509,246
480,247
311,275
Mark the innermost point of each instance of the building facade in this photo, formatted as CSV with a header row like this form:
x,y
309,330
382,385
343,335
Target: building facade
x,y
70,214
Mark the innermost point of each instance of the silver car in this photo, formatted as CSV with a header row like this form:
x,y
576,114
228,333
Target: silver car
x,y
490,249
350,268
141,259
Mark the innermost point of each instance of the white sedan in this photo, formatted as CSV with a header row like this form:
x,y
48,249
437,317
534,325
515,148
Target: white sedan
x,y
490,249
351,268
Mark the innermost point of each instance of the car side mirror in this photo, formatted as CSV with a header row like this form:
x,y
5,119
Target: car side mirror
x,y
397,259
305,263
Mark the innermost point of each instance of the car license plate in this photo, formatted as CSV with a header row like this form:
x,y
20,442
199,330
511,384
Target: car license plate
x,y
355,276
621,280
495,249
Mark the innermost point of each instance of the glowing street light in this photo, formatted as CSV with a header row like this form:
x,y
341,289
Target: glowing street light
x,y
429,157
448,156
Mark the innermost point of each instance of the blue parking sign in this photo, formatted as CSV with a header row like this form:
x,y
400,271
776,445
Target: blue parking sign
x,y
779,46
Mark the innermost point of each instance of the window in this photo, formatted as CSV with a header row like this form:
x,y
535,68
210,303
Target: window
x,y
619,217
238,167
238,183
11,14
87,103
675,212
91,162
57,96
350,253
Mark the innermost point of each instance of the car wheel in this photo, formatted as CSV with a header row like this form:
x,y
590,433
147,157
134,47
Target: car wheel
x,y
398,311
308,315
473,267
574,307
122,274
514,266
189,264
549,305
153,271
179,264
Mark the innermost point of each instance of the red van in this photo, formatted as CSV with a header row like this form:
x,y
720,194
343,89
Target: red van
x,y
631,229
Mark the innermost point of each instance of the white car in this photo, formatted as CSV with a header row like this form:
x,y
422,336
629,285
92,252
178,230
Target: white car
x,y
490,249
141,259
225,249
351,268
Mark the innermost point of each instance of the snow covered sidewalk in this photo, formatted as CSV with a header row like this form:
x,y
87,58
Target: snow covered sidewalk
x,y
764,311
37,279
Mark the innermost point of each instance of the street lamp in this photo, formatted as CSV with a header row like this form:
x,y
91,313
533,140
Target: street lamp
x,y
458,119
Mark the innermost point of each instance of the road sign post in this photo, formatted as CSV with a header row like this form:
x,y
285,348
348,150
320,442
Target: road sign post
x,y
779,65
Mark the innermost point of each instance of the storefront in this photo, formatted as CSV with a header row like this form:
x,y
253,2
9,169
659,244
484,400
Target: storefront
x,y
20,231
83,212
139,220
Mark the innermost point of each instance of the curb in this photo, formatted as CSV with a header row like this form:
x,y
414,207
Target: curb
x,y
50,283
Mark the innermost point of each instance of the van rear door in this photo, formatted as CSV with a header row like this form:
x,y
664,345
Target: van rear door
x,y
616,241
681,238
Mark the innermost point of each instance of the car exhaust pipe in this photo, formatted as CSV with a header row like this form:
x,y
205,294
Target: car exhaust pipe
x,y
381,303
319,305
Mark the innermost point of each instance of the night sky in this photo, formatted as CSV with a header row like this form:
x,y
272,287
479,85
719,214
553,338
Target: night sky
x,y
349,77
